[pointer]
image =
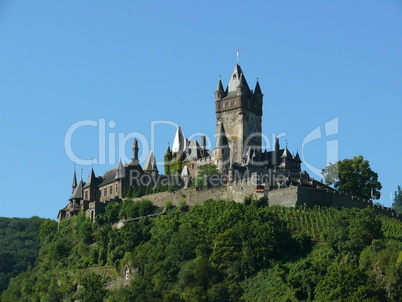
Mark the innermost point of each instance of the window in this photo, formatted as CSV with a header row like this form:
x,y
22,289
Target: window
x,y
110,190
105,192
86,195
116,188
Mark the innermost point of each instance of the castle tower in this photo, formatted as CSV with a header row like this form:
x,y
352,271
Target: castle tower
x,y
239,110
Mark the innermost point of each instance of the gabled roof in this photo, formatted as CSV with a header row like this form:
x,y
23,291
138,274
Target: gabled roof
x,y
150,162
221,140
77,194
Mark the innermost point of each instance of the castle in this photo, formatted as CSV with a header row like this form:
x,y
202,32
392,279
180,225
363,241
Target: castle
x,y
243,166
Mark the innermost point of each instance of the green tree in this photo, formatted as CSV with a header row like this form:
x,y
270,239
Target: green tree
x,y
397,204
208,169
347,283
202,171
92,289
353,176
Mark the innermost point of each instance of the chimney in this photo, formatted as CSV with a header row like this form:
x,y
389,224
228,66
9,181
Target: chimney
x,y
203,145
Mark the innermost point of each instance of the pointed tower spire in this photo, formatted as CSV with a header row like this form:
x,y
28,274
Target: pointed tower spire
x,y
220,85
286,153
179,141
74,185
120,172
221,140
150,163
234,79
92,180
219,93
297,157
242,87
257,90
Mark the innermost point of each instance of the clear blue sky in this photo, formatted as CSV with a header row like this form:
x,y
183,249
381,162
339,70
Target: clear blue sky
x,y
131,63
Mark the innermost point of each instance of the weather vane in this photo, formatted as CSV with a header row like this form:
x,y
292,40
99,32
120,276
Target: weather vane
x,y
237,55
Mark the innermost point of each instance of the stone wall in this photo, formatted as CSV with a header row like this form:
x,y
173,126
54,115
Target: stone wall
x,y
192,196
308,196
288,197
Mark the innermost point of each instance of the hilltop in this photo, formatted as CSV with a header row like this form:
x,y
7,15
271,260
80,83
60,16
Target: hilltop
x,y
218,251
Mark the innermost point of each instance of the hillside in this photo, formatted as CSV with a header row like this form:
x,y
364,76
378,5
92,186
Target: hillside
x,y
218,251
19,246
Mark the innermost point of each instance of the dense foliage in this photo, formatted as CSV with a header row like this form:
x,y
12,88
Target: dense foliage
x,y
397,204
219,251
353,176
19,246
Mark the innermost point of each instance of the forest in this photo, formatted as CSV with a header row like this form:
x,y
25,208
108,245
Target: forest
x,y
218,251
19,246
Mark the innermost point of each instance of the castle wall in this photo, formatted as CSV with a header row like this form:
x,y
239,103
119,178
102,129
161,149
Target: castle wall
x,y
192,196
283,197
308,196
288,197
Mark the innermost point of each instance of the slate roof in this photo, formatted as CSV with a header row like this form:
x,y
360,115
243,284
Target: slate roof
x,y
257,89
121,171
150,162
92,180
220,85
77,194
74,179
221,140
193,150
179,142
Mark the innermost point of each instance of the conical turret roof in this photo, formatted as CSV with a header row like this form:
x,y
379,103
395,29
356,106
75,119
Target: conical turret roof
x,y
235,80
92,180
257,89
179,141
150,162
297,157
74,185
286,153
120,172
77,194
221,140
220,85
